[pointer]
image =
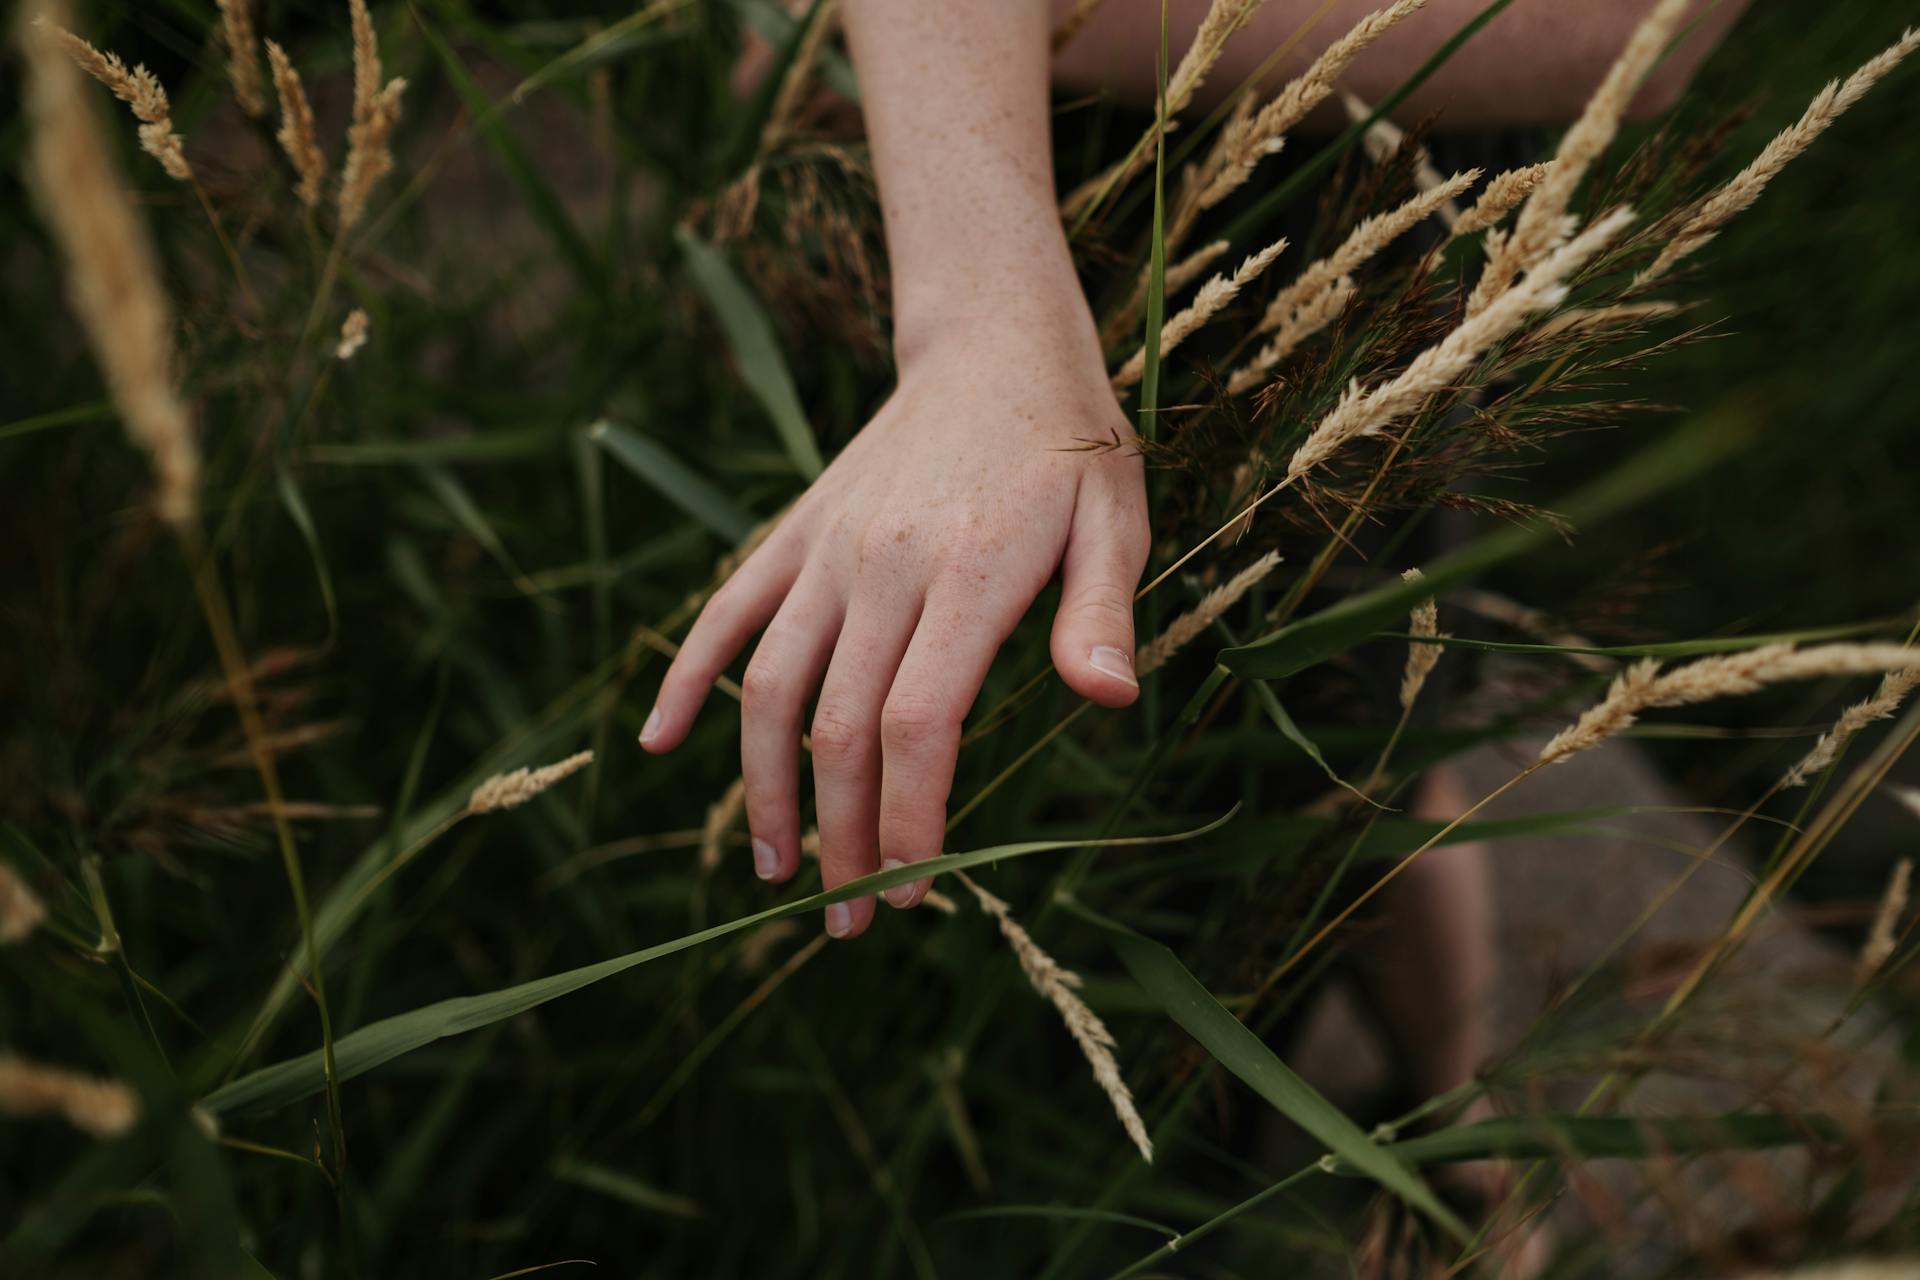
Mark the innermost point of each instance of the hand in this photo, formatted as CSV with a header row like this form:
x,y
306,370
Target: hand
x,y
900,573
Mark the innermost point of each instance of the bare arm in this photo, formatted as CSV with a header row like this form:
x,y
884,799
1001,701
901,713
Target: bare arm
x,y
898,575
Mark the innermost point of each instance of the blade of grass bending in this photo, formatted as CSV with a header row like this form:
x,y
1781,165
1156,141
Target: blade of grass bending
x,y
1303,178
540,199
1292,732
625,1188
1317,637
1627,1137
1240,1051
297,511
674,480
1665,649
756,351
387,1039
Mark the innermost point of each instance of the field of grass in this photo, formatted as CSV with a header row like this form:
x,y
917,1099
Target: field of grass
x,y
338,1019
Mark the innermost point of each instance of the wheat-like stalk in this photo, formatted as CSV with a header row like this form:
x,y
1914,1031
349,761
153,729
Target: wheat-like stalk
x,y
353,334
1745,187
722,816
376,110
243,58
21,911
1576,320
1250,136
1543,224
1881,938
1504,193
141,90
1214,294
1058,986
1644,685
113,279
297,134
1893,690
1361,414
515,788
100,1108
793,86
1421,658
1216,602
1175,278
1303,307
1383,140
1222,20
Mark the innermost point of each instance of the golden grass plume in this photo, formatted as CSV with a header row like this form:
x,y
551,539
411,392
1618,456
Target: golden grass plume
x,y
297,134
243,56
1214,295
113,278
1883,935
353,334
1893,690
1154,655
1644,685
141,90
1421,658
376,110
512,789
100,1108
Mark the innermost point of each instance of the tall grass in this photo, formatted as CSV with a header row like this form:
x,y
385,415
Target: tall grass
x,y
380,427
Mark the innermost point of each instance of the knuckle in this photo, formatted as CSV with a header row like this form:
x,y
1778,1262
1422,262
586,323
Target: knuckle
x,y
914,718
1106,608
763,684
837,733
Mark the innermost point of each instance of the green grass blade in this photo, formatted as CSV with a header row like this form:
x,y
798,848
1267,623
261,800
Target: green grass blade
x,y
756,351
674,480
1290,730
625,1188
1314,639
1157,259
744,143
1665,649
1632,1137
467,513
387,1039
1240,1051
540,198
296,504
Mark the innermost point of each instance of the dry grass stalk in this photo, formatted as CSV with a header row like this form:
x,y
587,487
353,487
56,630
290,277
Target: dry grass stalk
x,y
1250,136
1383,139
1421,658
1292,307
1578,320
1223,19
793,86
101,1108
1644,685
113,280
515,788
1216,602
1360,414
1177,277
1503,194
1057,985
243,58
1305,320
723,815
140,89
1881,937
1214,294
21,911
353,334
376,110
1745,187
1542,225
1893,690
297,134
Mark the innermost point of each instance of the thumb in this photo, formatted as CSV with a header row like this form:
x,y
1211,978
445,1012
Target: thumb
x,y
1093,631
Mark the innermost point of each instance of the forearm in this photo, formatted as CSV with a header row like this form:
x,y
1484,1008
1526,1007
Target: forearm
x,y
956,100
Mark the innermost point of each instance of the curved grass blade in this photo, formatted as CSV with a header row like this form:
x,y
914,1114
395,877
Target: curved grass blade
x,y
1157,259
674,480
1313,639
1666,649
387,1039
1235,1047
756,352
296,504
1631,1137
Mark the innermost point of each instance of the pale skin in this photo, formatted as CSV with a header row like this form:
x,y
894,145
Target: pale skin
x,y
884,594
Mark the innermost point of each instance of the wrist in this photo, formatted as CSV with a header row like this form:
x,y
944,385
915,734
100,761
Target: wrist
x,y
1038,303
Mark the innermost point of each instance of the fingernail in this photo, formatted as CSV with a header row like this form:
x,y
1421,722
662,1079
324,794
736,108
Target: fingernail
x,y
1117,663
903,894
840,919
651,729
766,859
